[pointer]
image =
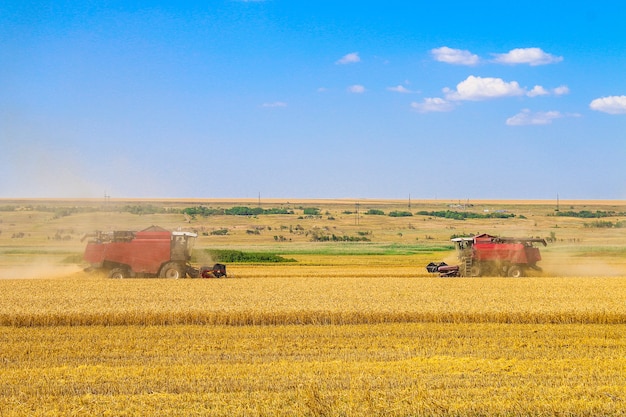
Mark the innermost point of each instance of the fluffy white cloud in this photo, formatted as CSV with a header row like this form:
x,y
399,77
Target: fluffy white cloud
x,y
350,58
357,89
537,91
526,117
454,56
479,88
435,104
399,89
610,105
530,56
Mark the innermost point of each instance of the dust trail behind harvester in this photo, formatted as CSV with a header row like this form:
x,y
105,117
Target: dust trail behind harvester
x,y
39,271
569,265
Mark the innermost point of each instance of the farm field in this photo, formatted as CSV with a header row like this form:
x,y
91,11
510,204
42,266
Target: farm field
x,y
399,369
352,326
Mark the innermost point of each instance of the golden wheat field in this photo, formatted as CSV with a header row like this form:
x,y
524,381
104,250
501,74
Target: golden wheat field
x,y
352,328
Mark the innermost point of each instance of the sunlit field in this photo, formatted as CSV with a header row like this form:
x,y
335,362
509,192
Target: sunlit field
x,y
345,329
397,369
321,299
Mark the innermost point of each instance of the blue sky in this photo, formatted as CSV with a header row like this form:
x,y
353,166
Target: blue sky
x,y
302,99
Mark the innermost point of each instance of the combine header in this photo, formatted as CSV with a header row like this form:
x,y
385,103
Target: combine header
x,y
486,255
153,252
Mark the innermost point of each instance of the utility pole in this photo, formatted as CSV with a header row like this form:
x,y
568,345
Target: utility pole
x,y
557,201
356,206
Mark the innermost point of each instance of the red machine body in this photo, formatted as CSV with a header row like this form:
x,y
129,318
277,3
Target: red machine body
x,y
515,251
146,252
150,252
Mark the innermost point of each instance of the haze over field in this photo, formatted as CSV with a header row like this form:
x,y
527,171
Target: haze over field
x,y
312,99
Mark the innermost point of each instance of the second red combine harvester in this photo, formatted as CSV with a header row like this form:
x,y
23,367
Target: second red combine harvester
x,y
486,255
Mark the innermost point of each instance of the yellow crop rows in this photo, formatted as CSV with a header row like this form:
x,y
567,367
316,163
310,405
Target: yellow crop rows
x,y
385,369
311,300
329,345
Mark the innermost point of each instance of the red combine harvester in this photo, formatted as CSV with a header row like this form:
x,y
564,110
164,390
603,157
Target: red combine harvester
x,y
486,255
153,252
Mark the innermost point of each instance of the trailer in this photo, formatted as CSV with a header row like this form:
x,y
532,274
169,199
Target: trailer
x,y
152,252
486,255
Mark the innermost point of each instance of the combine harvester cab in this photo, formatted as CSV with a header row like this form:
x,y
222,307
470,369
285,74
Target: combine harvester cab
x,y
486,255
153,252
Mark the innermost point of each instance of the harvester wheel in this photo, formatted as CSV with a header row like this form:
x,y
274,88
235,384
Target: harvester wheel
x,y
118,273
515,271
172,270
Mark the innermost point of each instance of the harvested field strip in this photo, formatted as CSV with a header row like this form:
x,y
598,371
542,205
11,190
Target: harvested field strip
x,y
387,369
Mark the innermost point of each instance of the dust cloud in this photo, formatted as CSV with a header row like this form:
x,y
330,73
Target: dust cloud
x,y
579,266
203,258
39,271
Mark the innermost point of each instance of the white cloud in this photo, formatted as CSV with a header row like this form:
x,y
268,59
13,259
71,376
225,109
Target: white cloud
x,y
454,56
350,58
479,88
399,89
561,90
435,104
610,105
526,117
530,56
541,91
274,104
537,91
357,89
